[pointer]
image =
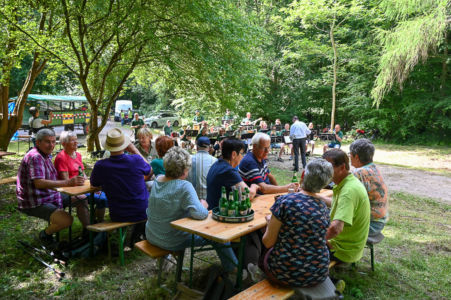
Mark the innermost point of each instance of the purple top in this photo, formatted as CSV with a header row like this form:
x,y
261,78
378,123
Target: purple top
x,y
122,179
36,165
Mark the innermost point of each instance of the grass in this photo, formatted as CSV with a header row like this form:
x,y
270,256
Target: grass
x,y
412,262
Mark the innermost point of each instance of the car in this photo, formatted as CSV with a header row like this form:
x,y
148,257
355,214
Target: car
x,y
160,119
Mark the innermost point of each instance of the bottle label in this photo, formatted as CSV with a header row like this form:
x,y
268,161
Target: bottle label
x,y
243,212
231,213
223,211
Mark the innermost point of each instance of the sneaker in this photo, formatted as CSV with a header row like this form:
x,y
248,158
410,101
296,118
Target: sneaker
x,y
291,158
255,272
232,276
280,159
340,286
45,238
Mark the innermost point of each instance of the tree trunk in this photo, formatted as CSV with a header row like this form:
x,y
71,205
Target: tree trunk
x,y
334,84
444,65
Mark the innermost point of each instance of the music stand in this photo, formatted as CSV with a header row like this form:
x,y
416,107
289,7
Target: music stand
x,y
245,136
248,127
277,139
278,127
287,139
191,132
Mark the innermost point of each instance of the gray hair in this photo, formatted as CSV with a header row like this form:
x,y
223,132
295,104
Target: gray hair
x,y
176,161
318,173
66,135
144,132
364,148
43,133
258,137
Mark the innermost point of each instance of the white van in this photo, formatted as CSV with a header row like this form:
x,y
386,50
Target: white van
x,y
121,105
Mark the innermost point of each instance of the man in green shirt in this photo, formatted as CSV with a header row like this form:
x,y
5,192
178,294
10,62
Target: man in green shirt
x,y
350,211
198,118
167,128
137,124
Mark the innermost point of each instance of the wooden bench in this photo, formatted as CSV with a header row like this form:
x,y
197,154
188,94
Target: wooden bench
x,y
160,254
109,227
265,290
8,180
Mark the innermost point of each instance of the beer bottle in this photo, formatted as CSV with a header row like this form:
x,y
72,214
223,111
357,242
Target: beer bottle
x,y
243,205
80,171
248,201
223,205
233,204
295,178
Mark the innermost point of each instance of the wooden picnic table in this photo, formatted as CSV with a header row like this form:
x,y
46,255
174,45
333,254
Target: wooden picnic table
x,y
228,232
5,153
82,190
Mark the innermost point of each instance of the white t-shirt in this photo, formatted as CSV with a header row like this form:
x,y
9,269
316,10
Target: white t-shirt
x,y
37,124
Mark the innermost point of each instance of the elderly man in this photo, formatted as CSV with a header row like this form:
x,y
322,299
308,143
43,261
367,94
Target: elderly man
x,y
122,178
362,152
137,124
201,164
298,134
350,211
36,180
253,167
336,143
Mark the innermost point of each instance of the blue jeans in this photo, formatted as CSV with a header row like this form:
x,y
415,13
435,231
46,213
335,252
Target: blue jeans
x,y
228,259
376,228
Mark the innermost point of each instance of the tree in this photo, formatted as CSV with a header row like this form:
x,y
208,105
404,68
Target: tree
x,y
420,26
14,47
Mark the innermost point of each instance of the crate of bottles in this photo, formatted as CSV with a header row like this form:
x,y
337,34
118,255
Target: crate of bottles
x,y
235,210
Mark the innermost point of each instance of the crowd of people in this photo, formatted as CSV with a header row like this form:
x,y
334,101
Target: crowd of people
x,y
160,182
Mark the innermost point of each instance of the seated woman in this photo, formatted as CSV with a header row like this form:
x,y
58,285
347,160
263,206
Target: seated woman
x,y
296,233
145,145
162,144
67,164
173,198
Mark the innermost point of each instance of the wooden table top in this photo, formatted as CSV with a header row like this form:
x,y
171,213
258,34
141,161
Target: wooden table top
x,y
227,232
78,190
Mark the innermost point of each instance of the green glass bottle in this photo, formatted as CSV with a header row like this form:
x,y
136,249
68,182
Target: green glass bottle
x,y
232,209
295,178
80,171
243,205
223,205
248,201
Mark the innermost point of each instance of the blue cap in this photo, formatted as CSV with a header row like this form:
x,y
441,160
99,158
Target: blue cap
x,y
203,141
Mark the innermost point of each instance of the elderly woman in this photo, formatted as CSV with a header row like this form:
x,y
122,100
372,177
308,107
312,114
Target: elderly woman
x,y
362,152
68,163
145,145
172,198
162,144
296,233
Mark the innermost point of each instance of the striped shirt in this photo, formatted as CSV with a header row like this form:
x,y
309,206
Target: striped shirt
x,y
201,164
253,171
36,165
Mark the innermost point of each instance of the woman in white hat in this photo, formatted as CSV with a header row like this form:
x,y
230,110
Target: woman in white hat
x,y
122,178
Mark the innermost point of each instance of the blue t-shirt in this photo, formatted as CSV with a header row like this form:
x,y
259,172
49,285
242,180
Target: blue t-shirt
x,y
221,174
253,171
170,201
300,256
122,179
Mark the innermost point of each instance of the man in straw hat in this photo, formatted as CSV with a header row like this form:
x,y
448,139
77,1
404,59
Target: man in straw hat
x,y
122,178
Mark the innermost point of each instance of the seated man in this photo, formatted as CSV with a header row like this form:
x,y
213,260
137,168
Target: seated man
x,y
201,164
36,179
336,143
122,178
350,211
362,152
253,167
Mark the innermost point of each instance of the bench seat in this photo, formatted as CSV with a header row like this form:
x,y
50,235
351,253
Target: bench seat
x,y
151,250
264,290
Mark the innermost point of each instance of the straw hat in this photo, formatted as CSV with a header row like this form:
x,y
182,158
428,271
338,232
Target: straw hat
x,y
116,140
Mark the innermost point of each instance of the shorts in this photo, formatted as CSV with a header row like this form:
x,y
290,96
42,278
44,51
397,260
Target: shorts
x,y
311,142
376,228
334,145
45,210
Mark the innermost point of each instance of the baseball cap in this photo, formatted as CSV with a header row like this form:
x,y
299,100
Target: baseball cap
x,y
203,141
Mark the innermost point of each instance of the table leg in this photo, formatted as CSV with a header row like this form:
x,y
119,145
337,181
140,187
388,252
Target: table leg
x,y
91,219
70,214
239,275
191,261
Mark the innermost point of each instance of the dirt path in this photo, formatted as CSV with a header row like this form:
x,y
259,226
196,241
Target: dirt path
x,y
416,182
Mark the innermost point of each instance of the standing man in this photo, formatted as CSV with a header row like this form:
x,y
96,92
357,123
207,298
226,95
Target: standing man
x,y
253,167
37,123
298,134
122,117
362,152
167,128
201,164
350,211
336,143
36,180
198,118
247,120
227,116
137,124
